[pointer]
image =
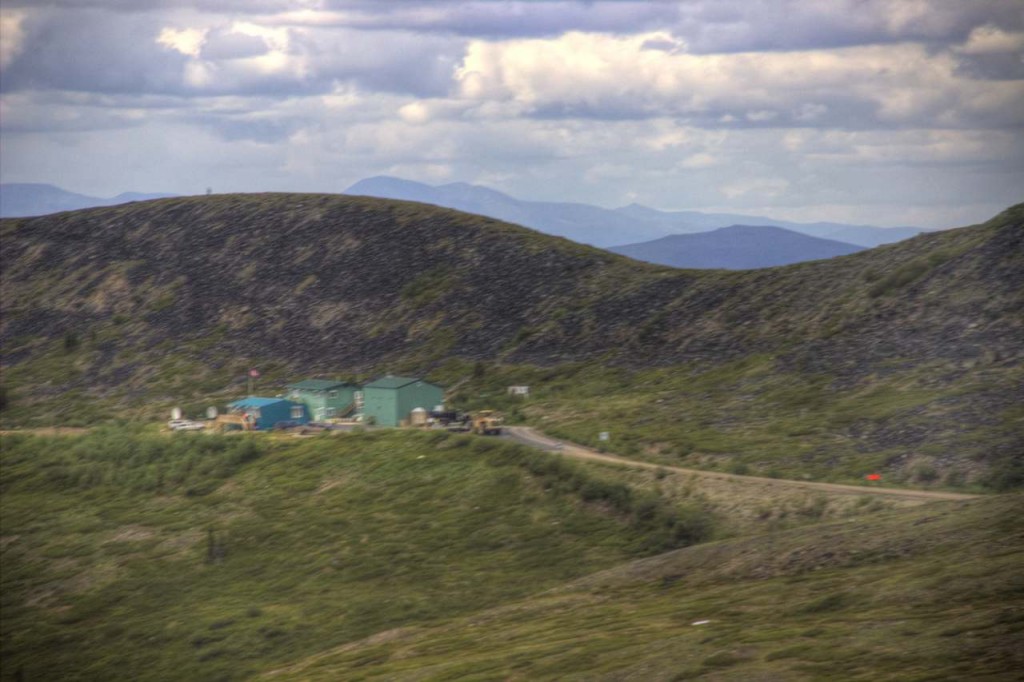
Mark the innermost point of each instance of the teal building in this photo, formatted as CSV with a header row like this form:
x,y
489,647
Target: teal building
x,y
325,399
265,412
390,400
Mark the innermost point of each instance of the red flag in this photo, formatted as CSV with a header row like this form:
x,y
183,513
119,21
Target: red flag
x,y
874,477
254,373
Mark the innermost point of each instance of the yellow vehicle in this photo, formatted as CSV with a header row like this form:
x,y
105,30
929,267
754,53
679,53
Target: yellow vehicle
x,y
233,422
485,423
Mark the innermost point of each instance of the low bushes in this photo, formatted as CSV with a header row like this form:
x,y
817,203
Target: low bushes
x,y
128,458
660,525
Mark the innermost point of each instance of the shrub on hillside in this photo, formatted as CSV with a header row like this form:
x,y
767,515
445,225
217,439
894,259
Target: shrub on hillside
x,y
125,457
661,525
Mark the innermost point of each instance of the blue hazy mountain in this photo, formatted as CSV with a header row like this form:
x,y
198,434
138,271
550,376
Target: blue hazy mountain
x,y
738,247
605,227
696,221
579,222
33,199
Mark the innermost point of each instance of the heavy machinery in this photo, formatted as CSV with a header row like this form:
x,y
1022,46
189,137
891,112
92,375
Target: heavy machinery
x,y
485,423
233,422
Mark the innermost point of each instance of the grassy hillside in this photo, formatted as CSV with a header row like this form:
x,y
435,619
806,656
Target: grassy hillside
x,y
927,594
129,555
930,426
906,358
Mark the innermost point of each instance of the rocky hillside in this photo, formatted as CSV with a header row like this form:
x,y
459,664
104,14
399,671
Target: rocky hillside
x,y
342,281
160,298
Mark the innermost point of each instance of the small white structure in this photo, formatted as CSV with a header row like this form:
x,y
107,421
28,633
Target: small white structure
x,y
519,390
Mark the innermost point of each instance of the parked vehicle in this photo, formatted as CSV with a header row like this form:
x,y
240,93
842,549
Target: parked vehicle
x,y
486,423
450,420
314,427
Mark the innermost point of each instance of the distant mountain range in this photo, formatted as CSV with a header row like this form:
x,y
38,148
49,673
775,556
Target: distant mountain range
x,y
34,199
739,247
579,222
607,227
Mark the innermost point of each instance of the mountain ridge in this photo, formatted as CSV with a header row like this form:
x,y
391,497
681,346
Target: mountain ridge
x,y
737,247
19,200
606,227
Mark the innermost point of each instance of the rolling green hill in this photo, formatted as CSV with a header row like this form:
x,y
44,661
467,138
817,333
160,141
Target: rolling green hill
x,y
929,594
128,554
905,358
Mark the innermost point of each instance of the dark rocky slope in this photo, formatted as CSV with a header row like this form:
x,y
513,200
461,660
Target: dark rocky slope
x,y
343,281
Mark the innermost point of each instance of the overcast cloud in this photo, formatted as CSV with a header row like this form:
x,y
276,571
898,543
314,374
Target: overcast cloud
x,y
880,111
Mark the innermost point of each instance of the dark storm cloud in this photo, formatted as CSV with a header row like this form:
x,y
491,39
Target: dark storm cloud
x,y
394,61
223,44
832,111
707,27
506,19
98,52
770,25
149,6
233,129
93,52
997,66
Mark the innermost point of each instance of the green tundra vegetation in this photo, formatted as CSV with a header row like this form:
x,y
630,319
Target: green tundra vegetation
x,y
131,554
932,593
750,416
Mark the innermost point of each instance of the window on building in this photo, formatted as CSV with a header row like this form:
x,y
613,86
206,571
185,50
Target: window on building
x,y
332,394
297,411
329,413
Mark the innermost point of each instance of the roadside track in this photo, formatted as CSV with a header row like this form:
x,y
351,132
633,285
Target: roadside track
x,y
526,435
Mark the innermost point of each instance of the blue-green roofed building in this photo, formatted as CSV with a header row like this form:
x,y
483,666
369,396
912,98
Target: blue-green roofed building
x,y
325,398
388,401
265,412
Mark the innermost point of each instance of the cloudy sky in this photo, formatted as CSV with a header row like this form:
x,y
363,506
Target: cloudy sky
x,y
881,111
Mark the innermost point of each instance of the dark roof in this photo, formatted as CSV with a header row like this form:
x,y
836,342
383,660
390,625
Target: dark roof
x,y
253,401
319,384
396,382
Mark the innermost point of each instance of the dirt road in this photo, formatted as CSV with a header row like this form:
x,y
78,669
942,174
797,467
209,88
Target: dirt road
x,y
528,436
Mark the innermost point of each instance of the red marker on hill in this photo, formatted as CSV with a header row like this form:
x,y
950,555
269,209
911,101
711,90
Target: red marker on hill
x,y
874,477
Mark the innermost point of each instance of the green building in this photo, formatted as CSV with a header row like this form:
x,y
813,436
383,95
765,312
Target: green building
x,y
325,399
390,400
